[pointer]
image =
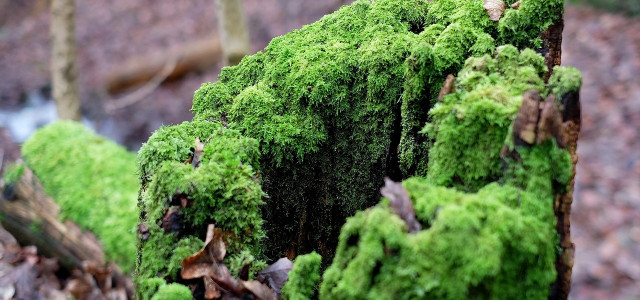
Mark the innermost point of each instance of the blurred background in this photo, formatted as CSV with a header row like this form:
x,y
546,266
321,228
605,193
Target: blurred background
x,y
120,41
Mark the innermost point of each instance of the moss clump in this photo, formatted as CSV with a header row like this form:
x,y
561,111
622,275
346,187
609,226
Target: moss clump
x,y
94,182
469,127
491,236
173,291
303,278
338,104
178,201
496,244
13,173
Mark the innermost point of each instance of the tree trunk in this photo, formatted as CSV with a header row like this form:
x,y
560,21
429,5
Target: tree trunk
x,y
63,60
233,31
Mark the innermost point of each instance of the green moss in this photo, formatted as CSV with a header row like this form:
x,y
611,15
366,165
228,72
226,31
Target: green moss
x,y
303,278
469,126
330,103
224,190
565,80
498,243
13,173
94,182
173,291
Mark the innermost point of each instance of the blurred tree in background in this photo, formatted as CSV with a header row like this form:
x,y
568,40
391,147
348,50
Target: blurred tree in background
x,y
628,7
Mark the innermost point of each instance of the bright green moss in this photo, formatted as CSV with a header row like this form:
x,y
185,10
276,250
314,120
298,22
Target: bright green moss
x,y
223,190
303,278
565,80
173,291
94,182
469,126
498,243
339,104
13,173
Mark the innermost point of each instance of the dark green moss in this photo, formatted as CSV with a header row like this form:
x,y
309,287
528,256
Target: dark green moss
x,y
94,182
303,278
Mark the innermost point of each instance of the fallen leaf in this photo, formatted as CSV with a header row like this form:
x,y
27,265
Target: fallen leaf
x,y
211,288
259,290
495,8
276,274
401,203
516,5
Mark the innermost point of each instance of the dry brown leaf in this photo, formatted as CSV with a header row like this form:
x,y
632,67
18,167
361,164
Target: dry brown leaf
x,y
211,288
516,5
259,290
401,203
495,8
276,274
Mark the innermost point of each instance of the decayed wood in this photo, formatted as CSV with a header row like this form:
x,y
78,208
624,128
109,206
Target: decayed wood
x,y
195,56
33,218
552,44
64,75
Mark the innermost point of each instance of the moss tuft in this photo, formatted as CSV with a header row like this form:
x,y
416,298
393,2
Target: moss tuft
x,y
173,291
94,182
179,201
13,173
303,278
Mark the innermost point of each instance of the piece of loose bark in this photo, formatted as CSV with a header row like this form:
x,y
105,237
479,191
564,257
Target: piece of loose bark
x,y
401,203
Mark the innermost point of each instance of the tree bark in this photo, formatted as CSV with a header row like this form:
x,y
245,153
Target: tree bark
x,y
233,31
32,217
63,60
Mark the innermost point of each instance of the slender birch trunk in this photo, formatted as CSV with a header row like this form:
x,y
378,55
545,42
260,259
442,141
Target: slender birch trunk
x,y
63,60
233,30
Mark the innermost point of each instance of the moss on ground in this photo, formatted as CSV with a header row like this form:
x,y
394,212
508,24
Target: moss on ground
x,y
94,182
178,201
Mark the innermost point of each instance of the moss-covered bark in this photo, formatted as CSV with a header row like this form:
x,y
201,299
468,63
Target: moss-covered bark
x,y
498,242
332,108
94,182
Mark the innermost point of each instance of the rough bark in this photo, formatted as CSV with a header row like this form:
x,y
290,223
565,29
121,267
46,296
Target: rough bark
x,y
33,218
571,118
63,60
233,30
195,56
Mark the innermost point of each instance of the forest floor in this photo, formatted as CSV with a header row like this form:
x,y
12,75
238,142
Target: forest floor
x,y
604,46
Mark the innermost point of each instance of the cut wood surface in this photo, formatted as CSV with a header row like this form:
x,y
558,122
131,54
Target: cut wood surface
x,y
195,56
33,218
